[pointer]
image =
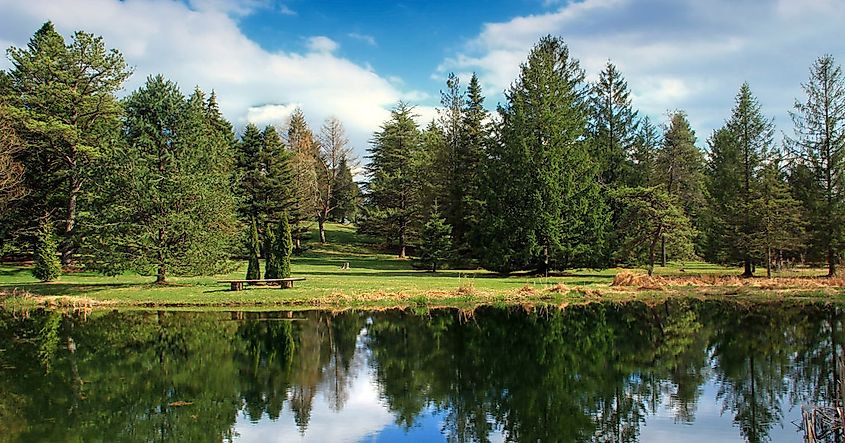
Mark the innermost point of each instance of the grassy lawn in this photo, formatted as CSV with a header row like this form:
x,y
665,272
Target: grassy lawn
x,y
376,279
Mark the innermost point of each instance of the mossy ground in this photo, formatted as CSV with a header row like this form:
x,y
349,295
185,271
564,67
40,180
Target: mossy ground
x,y
376,279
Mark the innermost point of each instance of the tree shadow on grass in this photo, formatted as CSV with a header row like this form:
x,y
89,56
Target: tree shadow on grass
x,y
67,289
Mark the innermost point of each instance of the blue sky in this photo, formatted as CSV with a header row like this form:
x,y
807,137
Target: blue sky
x,y
356,59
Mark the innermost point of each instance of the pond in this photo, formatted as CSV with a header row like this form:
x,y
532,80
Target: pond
x,y
686,370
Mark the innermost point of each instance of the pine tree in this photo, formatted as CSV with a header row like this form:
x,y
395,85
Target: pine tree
x,y
46,266
543,207
284,247
276,179
679,169
273,261
468,177
819,146
646,146
435,241
167,206
613,127
736,155
64,95
392,208
249,173
305,162
253,271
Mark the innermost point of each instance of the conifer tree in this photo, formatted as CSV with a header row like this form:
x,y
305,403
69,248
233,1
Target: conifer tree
x,y
468,177
167,206
646,145
778,213
819,146
392,208
273,261
305,162
253,271
64,96
249,173
435,241
736,155
613,127
543,207
345,194
679,169
46,262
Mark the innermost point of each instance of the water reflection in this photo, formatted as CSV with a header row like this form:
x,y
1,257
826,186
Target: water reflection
x,y
682,370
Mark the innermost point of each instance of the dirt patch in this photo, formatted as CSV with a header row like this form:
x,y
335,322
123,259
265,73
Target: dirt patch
x,y
646,282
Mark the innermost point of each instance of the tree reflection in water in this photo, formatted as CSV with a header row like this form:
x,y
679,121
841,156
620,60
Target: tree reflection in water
x,y
596,372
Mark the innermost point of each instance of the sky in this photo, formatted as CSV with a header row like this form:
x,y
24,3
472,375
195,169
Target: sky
x,y
356,60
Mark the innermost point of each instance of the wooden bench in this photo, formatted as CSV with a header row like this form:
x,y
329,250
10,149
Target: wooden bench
x,y
238,285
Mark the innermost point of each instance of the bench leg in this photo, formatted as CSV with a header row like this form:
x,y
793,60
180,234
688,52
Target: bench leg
x,y
286,284
237,286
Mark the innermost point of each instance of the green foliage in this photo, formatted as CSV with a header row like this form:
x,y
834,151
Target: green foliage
x,y
273,261
544,208
737,151
168,206
819,147
647,217
778,214
346,194
612,127
253,271
435,241
46,262
392,205
284,247
62,96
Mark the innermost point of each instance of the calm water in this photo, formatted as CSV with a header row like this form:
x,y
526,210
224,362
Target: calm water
x,y
686,371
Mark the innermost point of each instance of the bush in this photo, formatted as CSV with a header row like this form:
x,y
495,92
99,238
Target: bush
x,y
47,266
253,272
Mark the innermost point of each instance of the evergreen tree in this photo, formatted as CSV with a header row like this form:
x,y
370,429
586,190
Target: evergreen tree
x,y
543,208
276,178
253,271
649,217
679,169
64,96
284,247
249,173
273,260
613,127
392,208
819,146
736,155
46,262
167,206
468,177
435,241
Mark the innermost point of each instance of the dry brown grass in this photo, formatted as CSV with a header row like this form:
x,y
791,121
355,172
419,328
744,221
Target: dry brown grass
x,y
646,282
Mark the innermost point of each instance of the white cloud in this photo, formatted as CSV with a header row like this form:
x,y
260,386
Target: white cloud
x,y
675,54
321,43
264,115
368,39
202,45
286,10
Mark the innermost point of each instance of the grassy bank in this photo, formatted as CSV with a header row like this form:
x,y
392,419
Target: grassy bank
x,y
375,279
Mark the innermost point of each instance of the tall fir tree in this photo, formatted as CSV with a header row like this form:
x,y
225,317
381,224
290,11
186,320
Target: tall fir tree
x,y
543,208
167,206
435,241
249,173
392,208
819,147
737,151
64,96
679,169
272,259
346,194
644,155
468,176
613,127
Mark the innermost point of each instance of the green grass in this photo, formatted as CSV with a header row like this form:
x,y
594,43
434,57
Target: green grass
x,y
374,279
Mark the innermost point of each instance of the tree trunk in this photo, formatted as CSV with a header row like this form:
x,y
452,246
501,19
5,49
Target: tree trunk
x,y
831,263
402,243
161,275
75,184
768,261
320,223
747,272
663,251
